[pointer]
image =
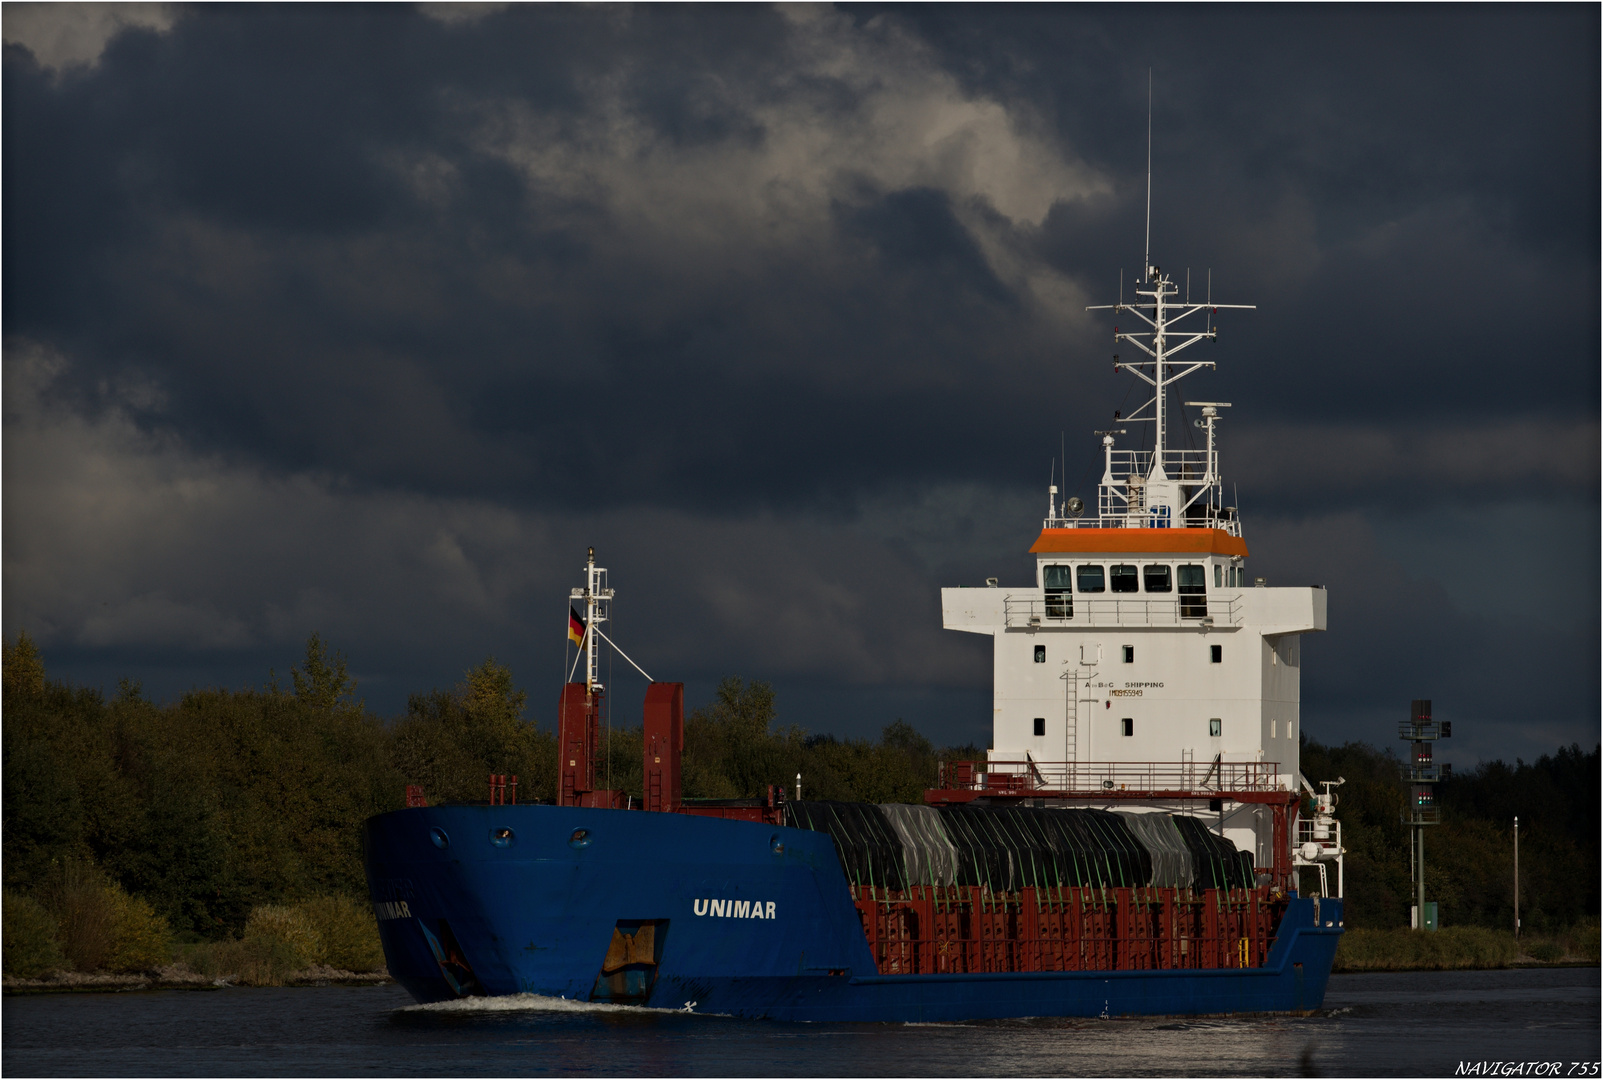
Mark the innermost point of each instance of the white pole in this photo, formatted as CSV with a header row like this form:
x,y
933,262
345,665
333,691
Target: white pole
x,y
1516,876
591,591
1157,369
1341,865
798,787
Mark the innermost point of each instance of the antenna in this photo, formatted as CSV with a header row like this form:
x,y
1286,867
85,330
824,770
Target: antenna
x,y
1146,494
1146,266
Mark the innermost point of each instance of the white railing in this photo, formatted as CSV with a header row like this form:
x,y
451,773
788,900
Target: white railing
x,y
1083,610
1325,834
1111,517
1116,778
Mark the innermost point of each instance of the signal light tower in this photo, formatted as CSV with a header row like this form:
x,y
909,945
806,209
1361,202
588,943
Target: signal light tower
x,y
1421,775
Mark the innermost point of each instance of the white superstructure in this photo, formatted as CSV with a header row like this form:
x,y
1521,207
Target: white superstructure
x,y
1144,656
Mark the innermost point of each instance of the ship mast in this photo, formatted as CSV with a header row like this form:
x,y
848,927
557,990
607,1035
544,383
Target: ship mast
x,y
597,600
1152,489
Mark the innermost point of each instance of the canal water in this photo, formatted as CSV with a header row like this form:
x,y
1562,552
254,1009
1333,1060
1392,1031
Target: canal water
x,y
1405,1024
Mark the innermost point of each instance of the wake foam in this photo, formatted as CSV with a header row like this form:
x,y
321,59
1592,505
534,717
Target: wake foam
x,y
505,1003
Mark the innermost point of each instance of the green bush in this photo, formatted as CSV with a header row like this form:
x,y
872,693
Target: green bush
x,y
80,899
280,941
286,934
252,961
99,926
31,948
141,939
347,933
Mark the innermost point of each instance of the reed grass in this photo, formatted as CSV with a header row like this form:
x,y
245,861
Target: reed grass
x,y
1454,948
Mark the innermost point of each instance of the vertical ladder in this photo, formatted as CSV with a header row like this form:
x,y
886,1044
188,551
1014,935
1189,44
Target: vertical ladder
x,y
1071,722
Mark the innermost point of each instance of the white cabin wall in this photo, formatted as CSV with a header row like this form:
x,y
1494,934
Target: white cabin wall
x,y
1281,719
1255,690
1167,719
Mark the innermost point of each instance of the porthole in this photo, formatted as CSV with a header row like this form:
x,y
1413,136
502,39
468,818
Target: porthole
x,y
502,837
776,845
579,839
438,835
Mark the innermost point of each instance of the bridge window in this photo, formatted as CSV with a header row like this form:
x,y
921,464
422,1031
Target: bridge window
x,y
1127,726
1218,576
1216,654
1129,654
1090,579
1040,654
1215,727
1124,579
1059,602
1157,577
1040,726
1193,591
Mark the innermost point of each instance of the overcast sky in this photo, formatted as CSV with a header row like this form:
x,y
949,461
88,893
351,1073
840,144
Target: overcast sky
x,y
369,320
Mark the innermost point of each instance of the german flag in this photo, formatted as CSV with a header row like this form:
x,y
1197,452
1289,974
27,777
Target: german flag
x,y
575,627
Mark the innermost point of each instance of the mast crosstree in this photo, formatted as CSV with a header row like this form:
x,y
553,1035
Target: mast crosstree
x,y
1162,488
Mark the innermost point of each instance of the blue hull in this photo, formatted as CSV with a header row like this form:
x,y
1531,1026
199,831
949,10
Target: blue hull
x,y
753,920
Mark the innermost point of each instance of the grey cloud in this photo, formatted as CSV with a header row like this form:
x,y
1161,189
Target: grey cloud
x,y
1510,682
134,542
1494,458
74,35
462,11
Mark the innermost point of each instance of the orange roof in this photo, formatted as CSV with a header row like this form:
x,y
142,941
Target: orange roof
x,y
1156,541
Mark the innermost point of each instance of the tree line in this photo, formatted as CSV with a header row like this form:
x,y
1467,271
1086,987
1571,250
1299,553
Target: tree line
x,y
208,807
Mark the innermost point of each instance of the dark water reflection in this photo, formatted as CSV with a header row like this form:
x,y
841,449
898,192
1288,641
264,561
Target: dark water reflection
x,y
1418,1024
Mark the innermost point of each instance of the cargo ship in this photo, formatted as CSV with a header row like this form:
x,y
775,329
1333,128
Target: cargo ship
x,y
1138,840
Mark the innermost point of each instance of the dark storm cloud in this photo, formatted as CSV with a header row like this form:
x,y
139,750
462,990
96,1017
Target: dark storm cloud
x,y
363,319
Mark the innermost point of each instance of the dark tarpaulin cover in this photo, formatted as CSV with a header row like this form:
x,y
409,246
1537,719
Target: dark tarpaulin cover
x,y
1219,865
1008,848
982,859
1132,858
1172,864
869,848
928,856
1081,861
